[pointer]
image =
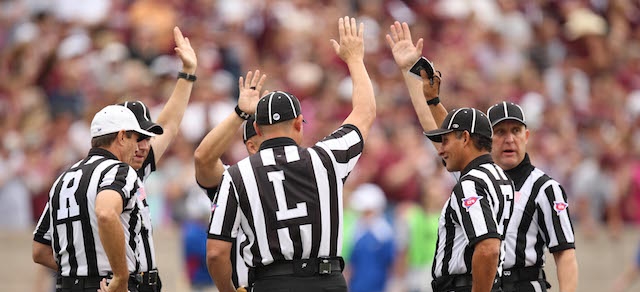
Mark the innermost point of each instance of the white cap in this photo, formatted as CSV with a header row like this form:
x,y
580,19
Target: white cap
x,y
115,118
368,197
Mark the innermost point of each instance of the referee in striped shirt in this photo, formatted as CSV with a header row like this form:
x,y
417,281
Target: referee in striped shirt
x,y
541,215
91,204
209,168
288,199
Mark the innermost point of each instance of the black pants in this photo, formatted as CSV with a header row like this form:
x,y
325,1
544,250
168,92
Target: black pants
x,y
526,286
333,282
89,284
145,286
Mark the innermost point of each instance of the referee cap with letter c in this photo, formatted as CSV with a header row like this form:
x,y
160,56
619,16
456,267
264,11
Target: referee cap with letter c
x,y
276,107
141,112
463,119
506,111
115,118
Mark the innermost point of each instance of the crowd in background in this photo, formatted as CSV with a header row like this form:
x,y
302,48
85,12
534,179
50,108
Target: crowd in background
x,y
574,66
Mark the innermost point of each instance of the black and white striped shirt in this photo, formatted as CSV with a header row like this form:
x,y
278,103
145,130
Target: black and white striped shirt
x,y
540,218
240,271
287,199
478,208
73,226
143,242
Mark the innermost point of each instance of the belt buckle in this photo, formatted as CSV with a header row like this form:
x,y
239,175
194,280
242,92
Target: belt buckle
x,y
153,277
324,267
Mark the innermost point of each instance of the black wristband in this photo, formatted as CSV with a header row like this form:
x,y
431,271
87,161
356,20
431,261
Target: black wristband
x,y
187,76
241,114
434,101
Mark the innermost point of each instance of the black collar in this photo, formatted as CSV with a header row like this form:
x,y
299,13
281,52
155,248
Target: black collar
x,y
102,152
275,142
521,172
482,159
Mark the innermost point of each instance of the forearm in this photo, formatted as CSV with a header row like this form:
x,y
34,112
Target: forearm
x,y
220,271
112,238
414,86
439,112
43,254
567,269
209,168
484,264
363,98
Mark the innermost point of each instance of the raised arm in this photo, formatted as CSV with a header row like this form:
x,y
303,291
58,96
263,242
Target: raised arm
x,y
171,115
209,168
351,50
405,53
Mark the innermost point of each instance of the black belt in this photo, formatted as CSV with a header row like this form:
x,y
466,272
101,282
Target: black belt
x,y
300,268
84,282
523,274
456,281
149,278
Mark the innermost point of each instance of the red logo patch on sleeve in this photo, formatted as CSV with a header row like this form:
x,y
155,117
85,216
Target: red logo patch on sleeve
x,y
560,206
470,201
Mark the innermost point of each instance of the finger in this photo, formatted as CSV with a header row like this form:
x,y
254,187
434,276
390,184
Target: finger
x,y
398,26
247,80
336,46
341,26
186,40
347,26
256,76
437,79
354,27
361,30
261,82
177,35
240,83
420,45
390,41
406,32
394,33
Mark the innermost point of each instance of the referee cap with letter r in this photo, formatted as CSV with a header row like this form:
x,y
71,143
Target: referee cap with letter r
x,y
506,111
276,107
115,118
463,119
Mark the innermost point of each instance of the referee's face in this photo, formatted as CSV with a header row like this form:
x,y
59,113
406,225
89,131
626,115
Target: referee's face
x,y
510,139
141,154
451,150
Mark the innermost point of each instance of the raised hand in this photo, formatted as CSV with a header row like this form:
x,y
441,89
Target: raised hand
x,y
351,46
404,51
430,87
185,52
250,91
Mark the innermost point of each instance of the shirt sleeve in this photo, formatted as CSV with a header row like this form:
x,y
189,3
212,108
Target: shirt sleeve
x,y
122,179
474,211
344,146
225,212
554,219
42,234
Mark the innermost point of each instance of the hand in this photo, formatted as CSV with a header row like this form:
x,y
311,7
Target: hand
x,y
351,46
241,289
250,91
404,52
185,52
107,288
430,87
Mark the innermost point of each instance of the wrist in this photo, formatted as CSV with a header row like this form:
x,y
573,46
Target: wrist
x,y
189,70
433,101
243,115
187,76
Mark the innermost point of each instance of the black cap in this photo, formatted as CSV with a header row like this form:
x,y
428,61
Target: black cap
x,y
276,107
141,112
464,119
248,130
505,111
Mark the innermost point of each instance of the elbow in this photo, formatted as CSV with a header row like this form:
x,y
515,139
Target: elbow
x,y
105,215
488,249
199,156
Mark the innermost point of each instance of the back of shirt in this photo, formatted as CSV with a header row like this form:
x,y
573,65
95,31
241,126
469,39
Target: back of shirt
x,y
287,199
73,222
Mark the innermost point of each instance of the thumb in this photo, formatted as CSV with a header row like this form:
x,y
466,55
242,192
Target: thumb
x,y
336,46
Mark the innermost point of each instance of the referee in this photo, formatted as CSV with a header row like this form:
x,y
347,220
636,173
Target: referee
x,y
541,216
209,168
91,205
288,199
468,249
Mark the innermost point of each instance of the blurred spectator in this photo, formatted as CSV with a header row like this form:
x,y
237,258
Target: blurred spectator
x,y
194,241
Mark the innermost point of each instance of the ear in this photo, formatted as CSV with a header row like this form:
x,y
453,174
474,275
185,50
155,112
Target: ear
x,y
297,124
255,127
122,135
466,137
526,136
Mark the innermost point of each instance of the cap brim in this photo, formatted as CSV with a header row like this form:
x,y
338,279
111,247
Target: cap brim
x,y
145,133
151,127
436,135
507,118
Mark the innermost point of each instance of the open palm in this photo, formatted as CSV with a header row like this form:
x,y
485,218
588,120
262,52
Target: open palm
x,y
404,51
